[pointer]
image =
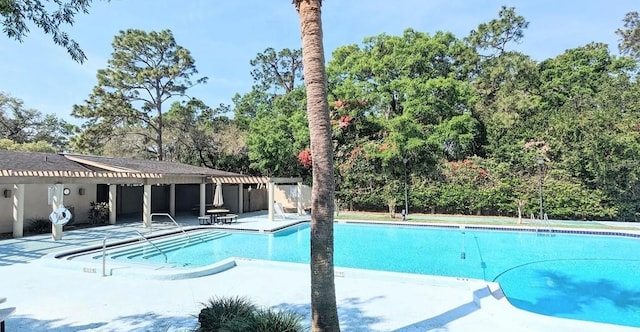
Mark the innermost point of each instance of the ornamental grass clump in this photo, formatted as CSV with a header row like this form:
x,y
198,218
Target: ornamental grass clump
x,y
38,226
268,320
225,314
238,314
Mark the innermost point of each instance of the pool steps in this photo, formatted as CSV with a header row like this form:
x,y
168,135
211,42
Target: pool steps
x,y
80,259
177,245
165,245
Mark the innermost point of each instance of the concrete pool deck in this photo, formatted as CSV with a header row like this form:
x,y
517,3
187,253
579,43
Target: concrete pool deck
x,y
56,299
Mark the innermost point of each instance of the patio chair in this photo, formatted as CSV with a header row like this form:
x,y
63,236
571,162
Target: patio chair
x,y
278,211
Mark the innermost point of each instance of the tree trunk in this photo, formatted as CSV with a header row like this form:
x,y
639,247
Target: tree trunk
x,y
158,101
520,205
324,312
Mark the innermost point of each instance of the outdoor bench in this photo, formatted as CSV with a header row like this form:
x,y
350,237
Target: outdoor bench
x,y
204,220
227,219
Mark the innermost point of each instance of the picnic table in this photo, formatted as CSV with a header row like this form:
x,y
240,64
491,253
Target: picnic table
x,y
215,213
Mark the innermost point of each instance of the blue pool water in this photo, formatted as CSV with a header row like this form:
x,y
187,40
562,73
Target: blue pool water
x,y
573,276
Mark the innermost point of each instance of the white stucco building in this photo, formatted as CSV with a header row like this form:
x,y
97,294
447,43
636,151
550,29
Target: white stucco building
x,y
34,184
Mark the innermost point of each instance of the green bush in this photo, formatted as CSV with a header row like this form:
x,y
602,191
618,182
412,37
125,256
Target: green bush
x,y
226,314
276,321
39,226
98,212
238,314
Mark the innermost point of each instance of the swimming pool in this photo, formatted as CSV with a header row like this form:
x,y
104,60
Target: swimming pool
x,y
583,277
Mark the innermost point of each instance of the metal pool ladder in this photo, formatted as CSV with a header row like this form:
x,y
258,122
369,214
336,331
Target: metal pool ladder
x,y
545,224
174,222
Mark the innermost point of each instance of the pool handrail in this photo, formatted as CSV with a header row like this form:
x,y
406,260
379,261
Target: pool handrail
x,y
166,259
104,257
542,223
174,222
547,222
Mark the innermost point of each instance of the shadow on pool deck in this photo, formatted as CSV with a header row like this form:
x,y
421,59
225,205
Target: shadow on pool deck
x,y
149,321
449,316
352,317
26,249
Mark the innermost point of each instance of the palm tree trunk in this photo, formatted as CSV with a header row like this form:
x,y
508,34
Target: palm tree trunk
x,y
324,312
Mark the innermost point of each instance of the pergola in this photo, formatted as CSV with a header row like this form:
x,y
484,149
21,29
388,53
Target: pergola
x,y
268,181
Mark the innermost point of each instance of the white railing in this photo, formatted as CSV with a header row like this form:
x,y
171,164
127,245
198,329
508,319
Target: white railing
x,y
104,257
166,259
173,220
544,223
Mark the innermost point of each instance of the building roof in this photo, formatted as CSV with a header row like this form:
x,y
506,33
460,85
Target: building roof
x,y
37,161
99,163
40,167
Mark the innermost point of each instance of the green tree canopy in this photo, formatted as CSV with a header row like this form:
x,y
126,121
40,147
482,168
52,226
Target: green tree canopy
x,y
23,126
274,114
497,33
630,35
277,71
146,70
47,15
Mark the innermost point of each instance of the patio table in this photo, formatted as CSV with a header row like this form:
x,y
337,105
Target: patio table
x,y
215,213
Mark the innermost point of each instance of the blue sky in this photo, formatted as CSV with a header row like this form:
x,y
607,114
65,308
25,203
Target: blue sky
x,y
224,35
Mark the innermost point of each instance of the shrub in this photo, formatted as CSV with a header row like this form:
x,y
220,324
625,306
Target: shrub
x,y
39,226
276,321
238,314
230,314
98,213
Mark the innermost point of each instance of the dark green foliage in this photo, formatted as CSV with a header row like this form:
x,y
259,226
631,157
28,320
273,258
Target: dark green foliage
x,y
573,110
48,15
274,114
98,212
30,130
238,314
38,226
630,35
226,314
126,106
466,118
273,71
276,321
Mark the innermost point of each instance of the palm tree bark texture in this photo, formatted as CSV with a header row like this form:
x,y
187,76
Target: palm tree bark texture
x,y
324,312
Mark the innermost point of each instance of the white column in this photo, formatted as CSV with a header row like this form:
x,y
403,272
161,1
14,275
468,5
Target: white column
x,y
146,206
240,198
299,199
172,200
113,191
203,197
272,195
57,202
18,210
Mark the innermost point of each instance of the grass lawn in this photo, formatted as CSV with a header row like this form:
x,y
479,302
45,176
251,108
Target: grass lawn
x,y
477,220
